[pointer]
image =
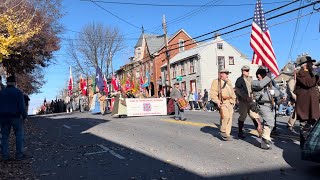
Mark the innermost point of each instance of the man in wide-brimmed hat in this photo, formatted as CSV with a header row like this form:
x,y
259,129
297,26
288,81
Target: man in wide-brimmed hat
x,y
222,93
307,104
12,114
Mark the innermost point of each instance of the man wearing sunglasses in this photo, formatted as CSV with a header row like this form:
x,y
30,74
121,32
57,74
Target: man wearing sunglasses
x,y
244,95
223,95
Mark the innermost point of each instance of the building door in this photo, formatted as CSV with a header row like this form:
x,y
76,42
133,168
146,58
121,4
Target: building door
x,y
193,85
183,87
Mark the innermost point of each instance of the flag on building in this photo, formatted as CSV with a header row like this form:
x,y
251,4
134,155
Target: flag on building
x,y
114,83
70,83
105,88
99,79
260,41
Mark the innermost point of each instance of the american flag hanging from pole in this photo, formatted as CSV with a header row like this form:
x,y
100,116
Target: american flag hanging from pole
x,y
260,41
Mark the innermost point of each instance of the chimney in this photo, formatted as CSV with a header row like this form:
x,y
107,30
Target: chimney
x,y
216,35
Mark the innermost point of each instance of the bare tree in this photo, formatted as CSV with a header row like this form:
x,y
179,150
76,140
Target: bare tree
x,y
95,46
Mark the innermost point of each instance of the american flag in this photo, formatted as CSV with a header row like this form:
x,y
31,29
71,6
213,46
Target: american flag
x,y
260,41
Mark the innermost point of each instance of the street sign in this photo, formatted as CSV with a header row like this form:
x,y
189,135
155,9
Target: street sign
x,y
179,78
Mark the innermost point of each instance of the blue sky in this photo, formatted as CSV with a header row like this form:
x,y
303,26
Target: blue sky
x,y
79,13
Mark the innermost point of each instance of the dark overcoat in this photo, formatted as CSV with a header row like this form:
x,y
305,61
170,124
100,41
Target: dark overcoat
x,y
307,105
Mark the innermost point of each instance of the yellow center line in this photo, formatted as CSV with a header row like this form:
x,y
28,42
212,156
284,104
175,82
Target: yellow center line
x,y
251,131
190,123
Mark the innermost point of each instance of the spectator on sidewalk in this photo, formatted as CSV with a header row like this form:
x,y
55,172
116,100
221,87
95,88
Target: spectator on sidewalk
x,y
12,114
191,99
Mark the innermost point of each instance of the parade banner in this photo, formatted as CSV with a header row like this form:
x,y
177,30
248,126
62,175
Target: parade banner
x,y
146,107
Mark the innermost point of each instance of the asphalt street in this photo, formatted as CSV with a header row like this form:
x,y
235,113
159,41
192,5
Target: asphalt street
x,y
85,146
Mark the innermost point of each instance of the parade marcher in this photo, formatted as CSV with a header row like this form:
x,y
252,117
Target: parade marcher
x,y
223,95
68,103
306,90
177,94
264,93
244,95
12,114
102,100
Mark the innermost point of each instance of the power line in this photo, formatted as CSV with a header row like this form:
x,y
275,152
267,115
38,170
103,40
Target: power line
x,y
180,5
295,33
193,39
237,36
115,15
243,27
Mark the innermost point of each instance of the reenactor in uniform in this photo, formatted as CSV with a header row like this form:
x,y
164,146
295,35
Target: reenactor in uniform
x,y
244,95
102,101
223,95
175,95
264,93
291,96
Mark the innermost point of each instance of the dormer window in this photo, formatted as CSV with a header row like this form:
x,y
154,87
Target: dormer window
x,y
181,45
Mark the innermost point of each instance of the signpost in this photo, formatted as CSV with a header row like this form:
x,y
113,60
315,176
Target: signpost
x,y
179,78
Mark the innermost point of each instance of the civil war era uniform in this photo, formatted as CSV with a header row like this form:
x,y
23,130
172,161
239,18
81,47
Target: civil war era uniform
x,y
307,104
175,95
244,95
12,114
228,102
102,101
263,94
292,98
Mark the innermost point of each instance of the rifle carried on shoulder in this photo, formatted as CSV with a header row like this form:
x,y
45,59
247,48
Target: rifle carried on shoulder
x,y
220,97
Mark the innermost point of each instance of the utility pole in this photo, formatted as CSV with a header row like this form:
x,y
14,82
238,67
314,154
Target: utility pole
x,y
164,25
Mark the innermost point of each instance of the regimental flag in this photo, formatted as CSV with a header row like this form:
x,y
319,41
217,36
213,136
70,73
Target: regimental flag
x,y
83,86
105,88
128,86
70,83
260,41
99,79
114,83
141,83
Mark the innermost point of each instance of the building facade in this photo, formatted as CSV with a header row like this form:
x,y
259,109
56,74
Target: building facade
x,y
195,69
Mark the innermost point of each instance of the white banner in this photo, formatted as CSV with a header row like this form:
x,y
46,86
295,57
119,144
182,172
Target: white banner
x,y
146,107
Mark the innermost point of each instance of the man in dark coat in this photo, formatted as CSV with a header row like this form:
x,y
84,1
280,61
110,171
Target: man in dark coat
x,y
307,105
12,114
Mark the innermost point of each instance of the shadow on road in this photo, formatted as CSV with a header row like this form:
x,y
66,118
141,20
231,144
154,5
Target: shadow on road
x,y
63,149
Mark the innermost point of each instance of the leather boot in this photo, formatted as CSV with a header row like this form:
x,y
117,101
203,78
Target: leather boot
x,y
241,133
258,125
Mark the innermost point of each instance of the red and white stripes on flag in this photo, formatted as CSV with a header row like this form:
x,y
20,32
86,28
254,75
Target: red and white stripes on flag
x,y
260,41
70,83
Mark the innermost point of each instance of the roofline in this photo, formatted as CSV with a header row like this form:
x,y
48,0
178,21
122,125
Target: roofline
x,y
174,35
